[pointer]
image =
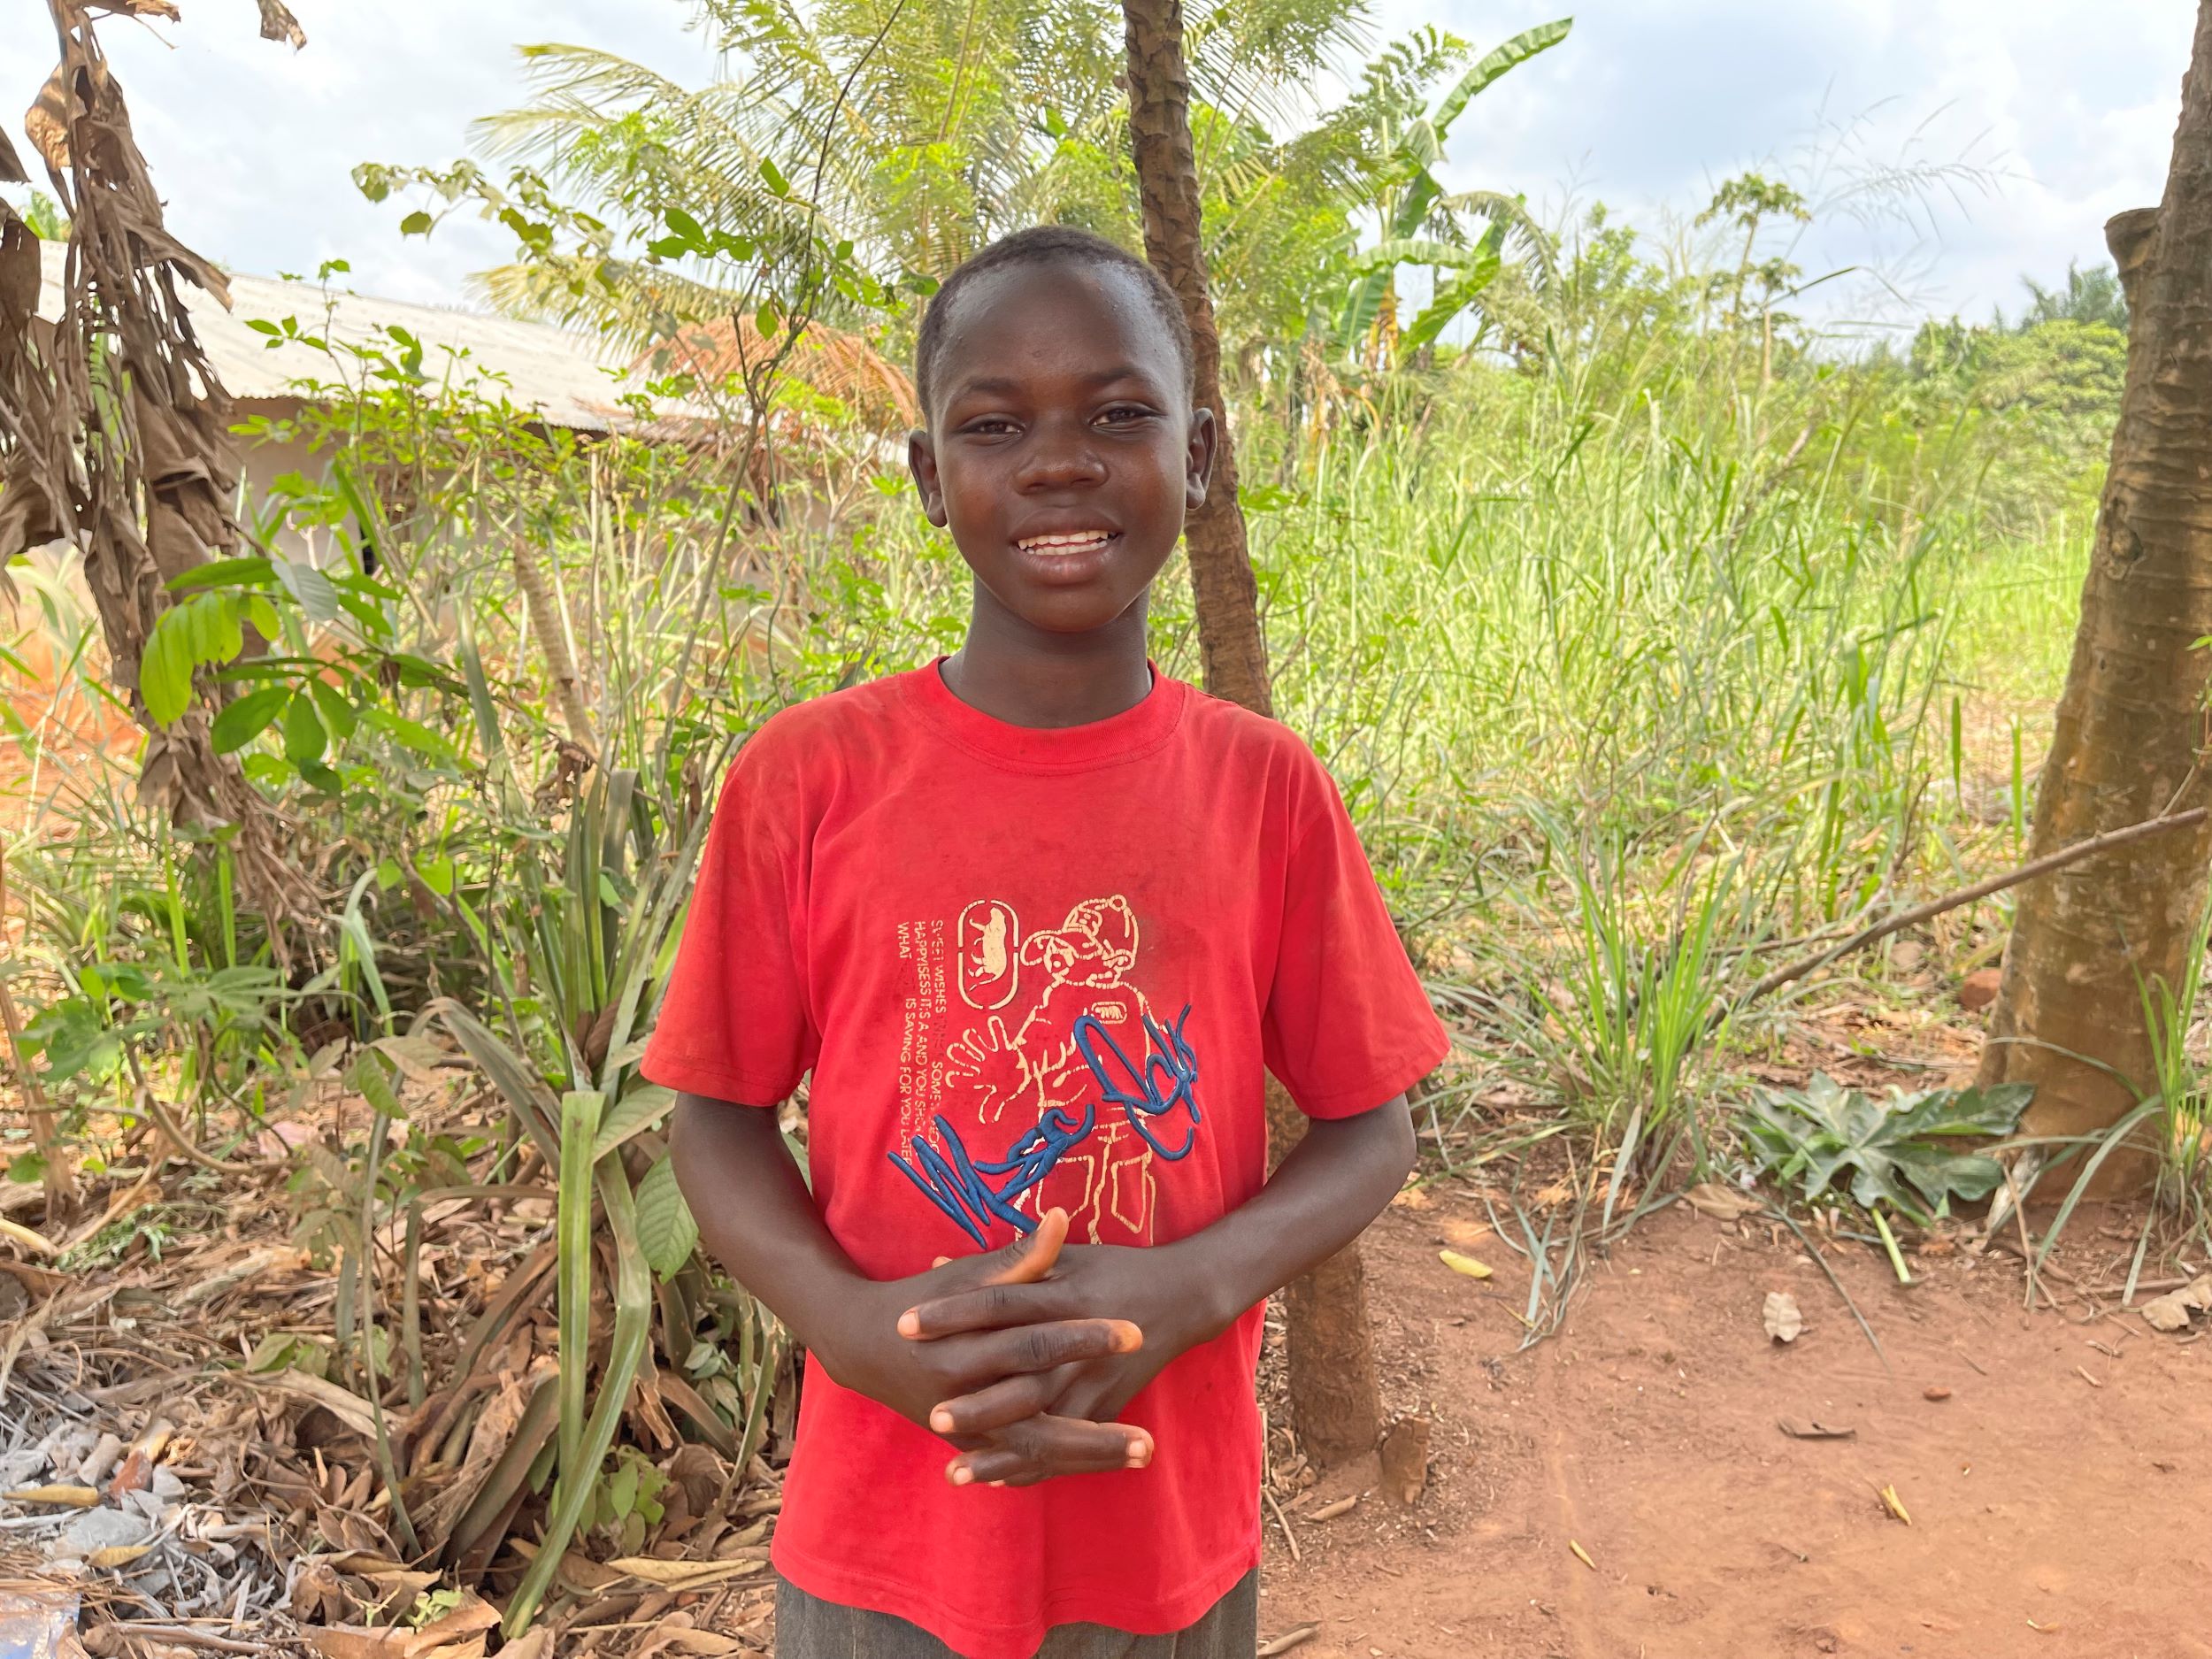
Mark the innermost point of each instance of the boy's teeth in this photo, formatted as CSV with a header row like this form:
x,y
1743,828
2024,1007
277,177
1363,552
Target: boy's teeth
x,y
1047,543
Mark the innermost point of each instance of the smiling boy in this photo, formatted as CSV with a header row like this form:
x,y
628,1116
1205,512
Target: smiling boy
x,y
1038,920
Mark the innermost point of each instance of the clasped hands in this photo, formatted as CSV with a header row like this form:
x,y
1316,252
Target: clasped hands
x,y
1015,1358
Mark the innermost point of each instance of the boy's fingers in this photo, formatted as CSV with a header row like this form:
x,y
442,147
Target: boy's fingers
x,y
1029,1259
1044,1446
987,1356
993,1308
1002,1404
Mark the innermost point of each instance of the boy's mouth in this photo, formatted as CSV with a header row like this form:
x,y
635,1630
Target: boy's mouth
x,y
1063,543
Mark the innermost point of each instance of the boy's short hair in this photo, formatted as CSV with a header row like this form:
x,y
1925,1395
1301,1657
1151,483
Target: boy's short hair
x,y
1046,244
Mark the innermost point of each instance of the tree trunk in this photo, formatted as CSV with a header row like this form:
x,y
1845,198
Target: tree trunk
x,y
2129,742
1333,1396
1230,645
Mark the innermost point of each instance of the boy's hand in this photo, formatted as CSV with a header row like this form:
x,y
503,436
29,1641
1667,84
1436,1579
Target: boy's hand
x,y
1156,1288
865,1354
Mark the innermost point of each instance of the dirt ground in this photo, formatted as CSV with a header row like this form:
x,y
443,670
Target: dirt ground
x,y
2057,1493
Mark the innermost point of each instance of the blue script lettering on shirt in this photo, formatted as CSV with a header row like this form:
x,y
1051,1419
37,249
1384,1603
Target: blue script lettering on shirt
x,y
976,1194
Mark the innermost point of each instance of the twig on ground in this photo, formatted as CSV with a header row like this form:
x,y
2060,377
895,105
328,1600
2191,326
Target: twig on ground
x,y
1283,1521
172,1131
182,1635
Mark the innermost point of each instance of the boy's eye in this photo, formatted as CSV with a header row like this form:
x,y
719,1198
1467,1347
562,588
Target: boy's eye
x,y
989,426
1123,415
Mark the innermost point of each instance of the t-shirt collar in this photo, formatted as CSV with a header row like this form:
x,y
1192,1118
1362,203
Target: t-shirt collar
x,y
1136,730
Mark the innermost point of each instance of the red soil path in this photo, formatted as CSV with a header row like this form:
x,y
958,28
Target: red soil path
x,y
2052,1515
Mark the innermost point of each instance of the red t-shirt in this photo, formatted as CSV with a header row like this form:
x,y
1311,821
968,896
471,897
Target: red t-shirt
x,y
1032,967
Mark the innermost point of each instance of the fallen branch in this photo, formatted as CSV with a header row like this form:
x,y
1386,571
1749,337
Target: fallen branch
x,y
112,1639
150,1104
1952,901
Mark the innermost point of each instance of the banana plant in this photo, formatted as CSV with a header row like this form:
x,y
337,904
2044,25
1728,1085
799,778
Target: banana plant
x,y
1421,221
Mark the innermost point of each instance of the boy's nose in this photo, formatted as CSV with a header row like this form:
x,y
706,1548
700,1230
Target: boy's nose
x,y
1057,460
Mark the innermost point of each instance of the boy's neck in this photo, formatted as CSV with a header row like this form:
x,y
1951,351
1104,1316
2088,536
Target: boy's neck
x,y
1025,676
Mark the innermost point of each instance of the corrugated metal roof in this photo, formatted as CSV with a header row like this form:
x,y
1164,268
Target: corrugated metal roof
x,y
571,380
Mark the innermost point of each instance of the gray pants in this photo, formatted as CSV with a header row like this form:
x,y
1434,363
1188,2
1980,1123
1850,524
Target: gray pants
x,y
809,1628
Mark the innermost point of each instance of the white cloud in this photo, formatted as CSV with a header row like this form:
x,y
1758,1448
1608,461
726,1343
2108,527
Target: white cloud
x,y
252,145
1646,106
2069,105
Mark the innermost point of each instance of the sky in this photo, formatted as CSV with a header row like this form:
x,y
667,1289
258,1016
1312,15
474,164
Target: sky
x,y
2031,123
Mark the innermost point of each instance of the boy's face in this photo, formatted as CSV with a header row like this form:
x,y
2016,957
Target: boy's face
x,y
1061,449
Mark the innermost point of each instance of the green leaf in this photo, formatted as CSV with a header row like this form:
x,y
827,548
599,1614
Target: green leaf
x,y
637,1111
305,738
413,734
1901,1152
263,615
415,224
164,672
524,1090
1451,299
246,718
685,226
238,572
1387,256
665,1231
271,1352
773,177
1511,55
336,712
310,588
622,1491
372,1083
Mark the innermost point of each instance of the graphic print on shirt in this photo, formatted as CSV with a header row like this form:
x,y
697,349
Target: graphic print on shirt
x,y
1034,1073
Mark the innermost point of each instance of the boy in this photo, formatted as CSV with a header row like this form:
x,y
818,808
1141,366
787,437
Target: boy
x,y
1035,916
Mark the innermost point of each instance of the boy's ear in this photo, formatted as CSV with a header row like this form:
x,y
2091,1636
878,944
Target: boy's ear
x,y
1205,437
921,460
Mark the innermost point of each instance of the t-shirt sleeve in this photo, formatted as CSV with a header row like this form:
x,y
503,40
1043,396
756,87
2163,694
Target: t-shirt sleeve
x,y
734,1024
1347,1024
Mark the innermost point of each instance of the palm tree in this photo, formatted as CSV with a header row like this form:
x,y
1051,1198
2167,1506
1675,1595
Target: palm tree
x,y
919,133
2094,296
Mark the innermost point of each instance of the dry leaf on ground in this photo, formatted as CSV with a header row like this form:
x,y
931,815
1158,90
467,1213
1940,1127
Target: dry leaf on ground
x,y
1785,1322
1466,1264
682,1575
2171,1312
1722,1203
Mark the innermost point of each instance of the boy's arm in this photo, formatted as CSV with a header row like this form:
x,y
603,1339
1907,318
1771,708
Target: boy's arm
x,y
1335,1181
757,1219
